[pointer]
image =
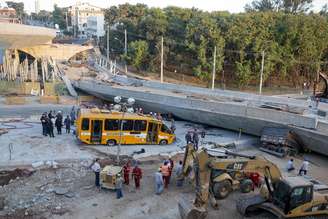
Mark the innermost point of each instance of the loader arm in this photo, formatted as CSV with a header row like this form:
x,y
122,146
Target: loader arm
x,y
202,164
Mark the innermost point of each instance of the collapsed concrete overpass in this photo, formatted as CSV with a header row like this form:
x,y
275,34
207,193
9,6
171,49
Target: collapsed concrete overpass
x,y
55,51
13,36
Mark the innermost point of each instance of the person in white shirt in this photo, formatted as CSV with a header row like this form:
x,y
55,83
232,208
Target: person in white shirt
x,y
159,182
290,165
304,168
179,173
96,169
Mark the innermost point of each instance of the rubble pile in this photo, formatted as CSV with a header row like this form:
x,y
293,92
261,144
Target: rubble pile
x,y
47,191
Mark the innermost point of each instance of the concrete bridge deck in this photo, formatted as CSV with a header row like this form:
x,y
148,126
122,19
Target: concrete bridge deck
x,y
14,36
218,110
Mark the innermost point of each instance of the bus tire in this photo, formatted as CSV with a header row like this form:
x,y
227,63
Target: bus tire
x,y
163,142
111,142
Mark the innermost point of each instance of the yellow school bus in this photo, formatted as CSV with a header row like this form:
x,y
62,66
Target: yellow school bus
x,y
95,126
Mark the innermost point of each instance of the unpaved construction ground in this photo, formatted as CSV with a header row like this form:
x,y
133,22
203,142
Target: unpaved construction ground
x,y
61,185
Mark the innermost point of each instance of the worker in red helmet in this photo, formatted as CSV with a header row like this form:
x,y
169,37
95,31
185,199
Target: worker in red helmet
x,y
126,172
137,175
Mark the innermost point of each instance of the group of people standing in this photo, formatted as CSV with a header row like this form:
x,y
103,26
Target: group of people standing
x,y
164,173
192,137
52,119
303,169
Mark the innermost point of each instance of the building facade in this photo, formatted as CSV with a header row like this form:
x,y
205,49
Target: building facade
x,y
7,14
37,6
79,14
95,27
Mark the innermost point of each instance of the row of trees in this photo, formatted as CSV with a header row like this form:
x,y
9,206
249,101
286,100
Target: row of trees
x,y
57,16
294,41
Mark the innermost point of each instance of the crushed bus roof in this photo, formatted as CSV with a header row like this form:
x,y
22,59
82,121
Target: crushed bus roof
x,y
107,114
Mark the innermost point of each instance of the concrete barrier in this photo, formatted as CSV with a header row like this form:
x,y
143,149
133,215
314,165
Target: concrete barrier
x,y
49,99
15,100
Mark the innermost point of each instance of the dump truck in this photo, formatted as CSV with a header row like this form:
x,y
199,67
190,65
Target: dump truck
x,y
280,142
292,197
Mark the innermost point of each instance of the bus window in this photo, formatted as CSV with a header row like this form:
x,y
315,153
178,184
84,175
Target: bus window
x,y
165,129
140,125
127,125
85,124
112,124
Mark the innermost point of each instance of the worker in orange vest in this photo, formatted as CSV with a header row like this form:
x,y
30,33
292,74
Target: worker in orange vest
x,y
171,166
166,173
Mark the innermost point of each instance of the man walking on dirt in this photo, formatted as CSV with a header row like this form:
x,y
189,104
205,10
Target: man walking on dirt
x,y
137,175
96,169
159,182
304,168
118,186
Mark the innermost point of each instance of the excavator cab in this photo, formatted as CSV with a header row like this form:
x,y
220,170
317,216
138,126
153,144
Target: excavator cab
x,y
292,193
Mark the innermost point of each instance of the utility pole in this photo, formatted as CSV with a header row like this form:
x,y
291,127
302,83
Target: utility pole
x,y
66,20
261,74
107,43
316,81
214,63
162,57
125,49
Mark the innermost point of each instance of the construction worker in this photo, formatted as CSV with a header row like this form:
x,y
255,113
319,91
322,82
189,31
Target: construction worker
x,y
188,137
304,168
166,173
159,182
137,175
195,139
50,127
178,174
59,124
96,169
44,124
50,114
118,186
72,114
173,128
171,166
126,172
290,165
67,123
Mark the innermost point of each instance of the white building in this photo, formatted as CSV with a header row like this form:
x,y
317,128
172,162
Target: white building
x,y
37,6
95,26
79,14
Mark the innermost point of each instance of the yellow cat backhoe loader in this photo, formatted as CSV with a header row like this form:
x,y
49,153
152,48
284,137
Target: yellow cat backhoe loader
x,y
293,197
222,180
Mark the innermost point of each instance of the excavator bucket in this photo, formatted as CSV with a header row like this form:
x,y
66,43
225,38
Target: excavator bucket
x,y
188,211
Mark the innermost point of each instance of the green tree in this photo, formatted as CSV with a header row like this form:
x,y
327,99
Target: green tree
x,y
58,16
291,6
138,54
18,6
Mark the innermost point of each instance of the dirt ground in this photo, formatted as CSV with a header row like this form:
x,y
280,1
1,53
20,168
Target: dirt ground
x,y
65,189
35,196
